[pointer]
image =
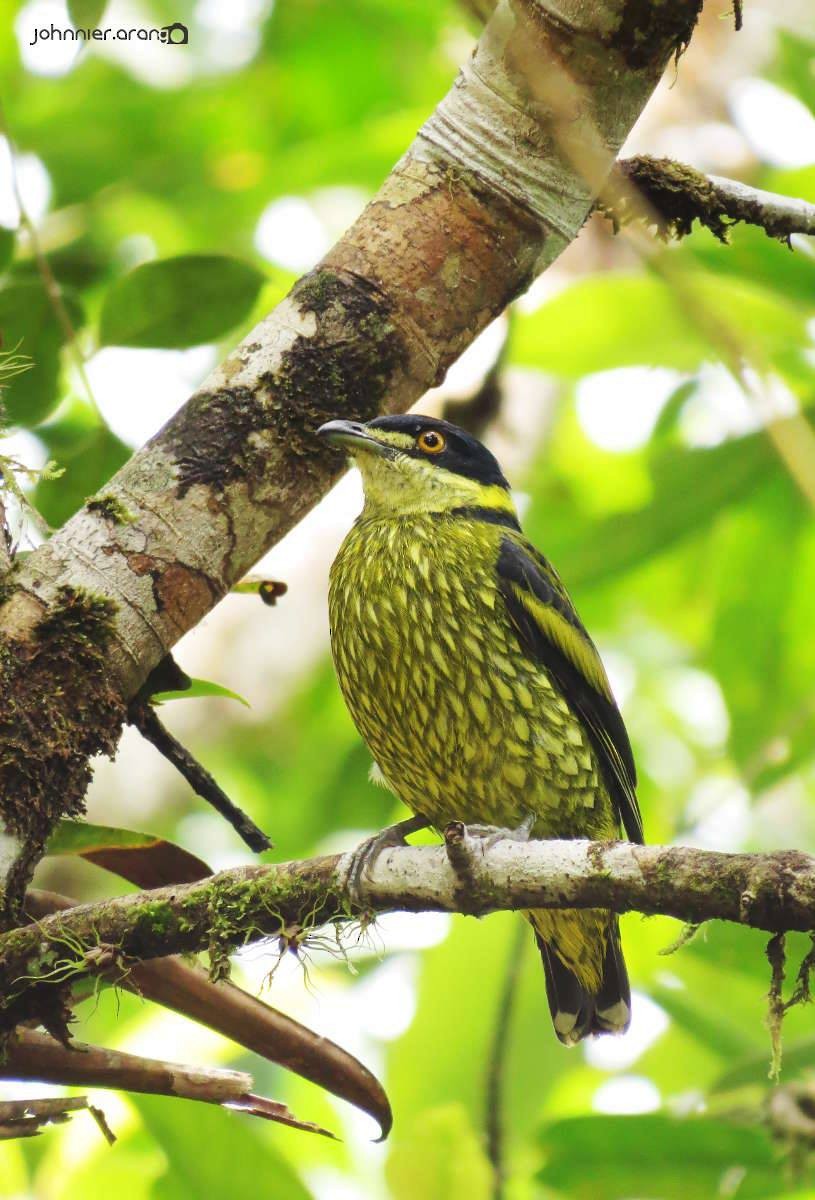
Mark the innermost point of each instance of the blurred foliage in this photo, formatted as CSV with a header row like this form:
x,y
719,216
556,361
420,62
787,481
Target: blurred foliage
x,y
691,556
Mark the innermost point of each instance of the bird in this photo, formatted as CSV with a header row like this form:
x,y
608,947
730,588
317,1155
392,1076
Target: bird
x,y
474,683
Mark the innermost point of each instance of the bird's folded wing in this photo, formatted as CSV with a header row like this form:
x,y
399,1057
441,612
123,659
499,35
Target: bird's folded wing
x,y
551,632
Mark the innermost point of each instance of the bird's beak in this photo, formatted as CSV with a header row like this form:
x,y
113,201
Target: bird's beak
x,y
351,436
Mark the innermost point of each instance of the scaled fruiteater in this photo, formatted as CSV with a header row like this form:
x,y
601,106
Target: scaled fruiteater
x,y
476,687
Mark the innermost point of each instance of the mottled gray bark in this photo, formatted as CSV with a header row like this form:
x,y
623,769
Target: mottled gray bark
x,y
496,184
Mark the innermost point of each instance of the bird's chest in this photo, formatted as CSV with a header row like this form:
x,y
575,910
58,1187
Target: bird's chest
x,y
433,673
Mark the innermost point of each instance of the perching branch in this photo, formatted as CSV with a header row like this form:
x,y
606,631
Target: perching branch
x,y
774,892
670,196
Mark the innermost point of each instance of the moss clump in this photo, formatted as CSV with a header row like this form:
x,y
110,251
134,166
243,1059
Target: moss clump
x,y
59,709
241,911
111,508
211,438
651,29
672,196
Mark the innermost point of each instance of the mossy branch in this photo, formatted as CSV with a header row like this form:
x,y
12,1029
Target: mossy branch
x,y
774,892
670,196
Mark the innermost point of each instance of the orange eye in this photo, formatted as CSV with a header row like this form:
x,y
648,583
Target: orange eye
x,y
431,442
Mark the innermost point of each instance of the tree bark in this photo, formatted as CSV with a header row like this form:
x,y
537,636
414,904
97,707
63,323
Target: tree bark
x,y
490,192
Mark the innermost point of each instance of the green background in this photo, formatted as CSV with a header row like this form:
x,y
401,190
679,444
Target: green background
x,y
689,549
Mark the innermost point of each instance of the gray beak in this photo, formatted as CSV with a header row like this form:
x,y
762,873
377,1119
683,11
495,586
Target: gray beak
x,y
351,436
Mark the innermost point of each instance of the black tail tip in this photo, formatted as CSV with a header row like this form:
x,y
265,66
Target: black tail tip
x,y
578,1013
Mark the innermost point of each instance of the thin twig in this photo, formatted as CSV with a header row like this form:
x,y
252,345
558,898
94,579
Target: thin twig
x,y
26,1118
143,717
6,560
671,195
494,1114
34,1055
776,957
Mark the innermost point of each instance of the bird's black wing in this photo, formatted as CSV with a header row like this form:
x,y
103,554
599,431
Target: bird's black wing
x,y
551,632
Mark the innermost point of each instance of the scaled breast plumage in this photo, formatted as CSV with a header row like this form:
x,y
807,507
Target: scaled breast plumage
x,y
460,720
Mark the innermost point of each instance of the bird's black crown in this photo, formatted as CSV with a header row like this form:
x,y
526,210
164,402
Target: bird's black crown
x,y
462,455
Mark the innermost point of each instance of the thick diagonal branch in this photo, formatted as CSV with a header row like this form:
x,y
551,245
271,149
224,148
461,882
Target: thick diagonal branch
x,y
774,892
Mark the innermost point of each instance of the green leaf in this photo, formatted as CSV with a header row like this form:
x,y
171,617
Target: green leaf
x,y
747,638
441,1159
141,858
621,320
28,322
86,14
792,69
179,302
750,254
213,1152
659,1157
689,488
89,453
708,1024
754,1069
198,688
7,237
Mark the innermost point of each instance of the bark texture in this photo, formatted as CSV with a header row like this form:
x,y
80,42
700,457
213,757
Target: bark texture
x,y
490,192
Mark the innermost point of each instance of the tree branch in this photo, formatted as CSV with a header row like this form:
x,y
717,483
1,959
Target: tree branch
x,y
673,195
774,892
247,1020
36,1056
26,1118
484,199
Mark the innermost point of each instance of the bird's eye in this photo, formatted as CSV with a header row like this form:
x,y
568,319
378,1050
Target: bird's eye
x,y
431,442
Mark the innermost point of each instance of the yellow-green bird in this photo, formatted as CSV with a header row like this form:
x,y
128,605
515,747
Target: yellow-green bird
x,y
477,689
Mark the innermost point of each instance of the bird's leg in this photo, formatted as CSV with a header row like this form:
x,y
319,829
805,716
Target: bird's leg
x,y
363,858
494,833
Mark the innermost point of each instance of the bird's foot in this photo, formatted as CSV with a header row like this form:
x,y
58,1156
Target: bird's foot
x,y
364,857
491,834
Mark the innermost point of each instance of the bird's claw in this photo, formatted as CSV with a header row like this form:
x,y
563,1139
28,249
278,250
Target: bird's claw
x,y
491,834
363,858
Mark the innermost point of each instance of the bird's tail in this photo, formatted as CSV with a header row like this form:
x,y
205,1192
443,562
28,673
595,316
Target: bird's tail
x,y
586,980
